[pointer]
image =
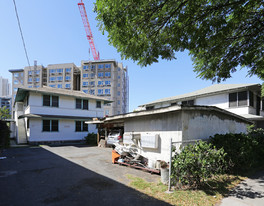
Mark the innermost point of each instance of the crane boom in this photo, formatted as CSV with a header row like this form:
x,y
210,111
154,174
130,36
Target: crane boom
x,y
88,30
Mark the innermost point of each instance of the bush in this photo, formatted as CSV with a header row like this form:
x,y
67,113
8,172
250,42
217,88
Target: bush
x,y
4,135
91,139
196,163
244,151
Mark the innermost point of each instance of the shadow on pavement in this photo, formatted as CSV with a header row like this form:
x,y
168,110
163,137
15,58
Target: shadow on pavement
x,y
35,176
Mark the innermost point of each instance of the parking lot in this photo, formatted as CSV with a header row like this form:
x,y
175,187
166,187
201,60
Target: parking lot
x,y
68,175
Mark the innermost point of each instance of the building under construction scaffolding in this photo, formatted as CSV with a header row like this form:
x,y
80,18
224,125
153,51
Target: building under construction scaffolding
x,y
105,78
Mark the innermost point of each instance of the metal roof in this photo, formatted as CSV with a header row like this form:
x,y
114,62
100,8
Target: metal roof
x,y
214,89
23,91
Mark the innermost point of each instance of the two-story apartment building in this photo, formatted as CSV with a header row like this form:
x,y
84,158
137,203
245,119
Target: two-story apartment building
x,y
46,114
241,99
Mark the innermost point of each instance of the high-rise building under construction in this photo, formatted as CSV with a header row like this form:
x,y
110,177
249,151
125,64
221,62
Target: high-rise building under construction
x,y
105,78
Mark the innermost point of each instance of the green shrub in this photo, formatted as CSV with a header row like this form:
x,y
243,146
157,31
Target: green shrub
x,y
91,139
4,135
196,163
244,151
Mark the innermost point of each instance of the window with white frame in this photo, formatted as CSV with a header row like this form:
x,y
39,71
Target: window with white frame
x,y
37,72
85,84
82,104
92,83
85,75
15,81
85,67
59,86
107,91
108,66
50,125
52,71
118,102
52,85
29,80
118,93
67,86
52,79
59,70
98,104
108,82
100,91
100,83
37,79
29,73
107,74
92,91
100,74
92,75
50,101
118,85
16,74
68,78
68,70
80,126
59,78
85,91
100,66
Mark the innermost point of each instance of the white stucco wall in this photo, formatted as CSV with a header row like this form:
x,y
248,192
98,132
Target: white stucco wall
x,y
220,100
181,125
66,107
66,131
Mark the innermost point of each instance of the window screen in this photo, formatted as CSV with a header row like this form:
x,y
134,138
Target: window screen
x,y
78,126
55,101
242,98
251,99
46,125
85,104
78,103
46,100
232,99
54,125
98,104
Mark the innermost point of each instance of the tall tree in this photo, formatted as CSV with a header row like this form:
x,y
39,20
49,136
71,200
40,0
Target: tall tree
x,y
4,113
220,35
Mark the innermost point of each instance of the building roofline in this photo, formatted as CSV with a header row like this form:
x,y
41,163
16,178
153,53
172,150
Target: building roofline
x,y
15,70
48,90
202,93
172,109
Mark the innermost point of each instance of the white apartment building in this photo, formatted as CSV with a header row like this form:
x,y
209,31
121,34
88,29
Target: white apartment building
x,y
46,114
241,99
104,78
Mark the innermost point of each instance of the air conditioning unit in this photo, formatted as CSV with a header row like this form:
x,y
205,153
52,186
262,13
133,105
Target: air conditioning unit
x,y
150,141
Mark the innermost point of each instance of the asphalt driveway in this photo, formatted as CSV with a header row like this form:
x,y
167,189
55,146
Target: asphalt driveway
x,y
67,175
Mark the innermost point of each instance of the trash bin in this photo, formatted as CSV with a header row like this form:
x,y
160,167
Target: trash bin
x,y
164,173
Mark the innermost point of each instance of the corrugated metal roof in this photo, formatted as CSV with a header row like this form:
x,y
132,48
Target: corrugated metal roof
x,y
22,91
217,88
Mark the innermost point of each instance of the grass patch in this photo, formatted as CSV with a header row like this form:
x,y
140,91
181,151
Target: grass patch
x,y
211,193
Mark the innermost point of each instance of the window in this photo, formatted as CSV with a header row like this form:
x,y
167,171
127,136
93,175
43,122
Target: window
x,y
108,83
50,125
29,80
59,78
59,70
100,83
16,74
52,85
52,79
233,99
118,77
119,69
118,102
118,85
68,78
60,86
92,83
15,81
85,91
49,100
92,75
149,107
118,93
85,84
37,79
85,75
251,99
29,73
107,91
30,86
80,126
15,89
37,72
21,81
108,66
100,74
242,98
98,104
107,112
68,70
92,91
100,91
82,104
107,74
52,71
67,86
188,102
100,66
85,67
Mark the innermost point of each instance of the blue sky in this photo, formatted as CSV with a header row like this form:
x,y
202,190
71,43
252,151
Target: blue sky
x,y
54,33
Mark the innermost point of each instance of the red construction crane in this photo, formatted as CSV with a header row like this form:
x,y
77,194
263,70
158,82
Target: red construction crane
x,y
88,30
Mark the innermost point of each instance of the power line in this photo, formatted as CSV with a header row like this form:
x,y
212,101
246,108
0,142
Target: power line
x,y
21,33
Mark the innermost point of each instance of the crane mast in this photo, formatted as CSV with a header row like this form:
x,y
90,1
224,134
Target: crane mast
x,y
88,30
